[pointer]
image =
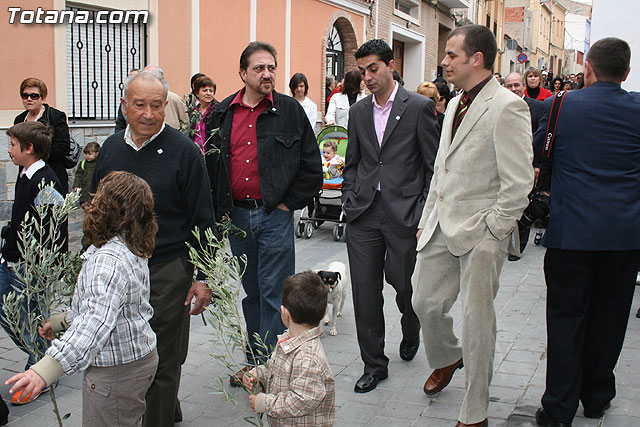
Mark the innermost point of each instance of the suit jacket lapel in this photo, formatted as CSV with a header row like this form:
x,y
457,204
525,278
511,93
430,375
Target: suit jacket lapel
x,y
477,109
399,105
371,129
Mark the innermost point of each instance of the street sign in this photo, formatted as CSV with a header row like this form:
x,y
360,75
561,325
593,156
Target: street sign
x,y
522,58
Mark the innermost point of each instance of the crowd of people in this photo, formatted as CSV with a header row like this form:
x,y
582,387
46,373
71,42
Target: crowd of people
x,y
435,184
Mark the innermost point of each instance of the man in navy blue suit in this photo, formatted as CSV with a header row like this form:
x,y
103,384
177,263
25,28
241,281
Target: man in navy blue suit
x,y
593,236
515,83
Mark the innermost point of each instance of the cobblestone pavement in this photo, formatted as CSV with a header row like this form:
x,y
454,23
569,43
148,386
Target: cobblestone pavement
x,y
517,386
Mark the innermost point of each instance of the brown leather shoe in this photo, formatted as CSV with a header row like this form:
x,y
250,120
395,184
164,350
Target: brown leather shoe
x,y
483,423
236,379
440,378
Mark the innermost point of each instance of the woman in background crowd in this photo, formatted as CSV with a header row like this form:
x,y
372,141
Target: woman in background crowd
x,y
33,92
556,85
430,90
340,103
534,89
299,88
204,88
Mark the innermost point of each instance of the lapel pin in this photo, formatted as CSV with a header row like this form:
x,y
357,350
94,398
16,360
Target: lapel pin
x,y
397,117
160,151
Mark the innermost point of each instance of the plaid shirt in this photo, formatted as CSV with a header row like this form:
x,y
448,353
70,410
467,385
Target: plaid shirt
x,y
109,313
300,385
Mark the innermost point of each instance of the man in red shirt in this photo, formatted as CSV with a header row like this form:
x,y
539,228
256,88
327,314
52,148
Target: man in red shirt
x,y
263,164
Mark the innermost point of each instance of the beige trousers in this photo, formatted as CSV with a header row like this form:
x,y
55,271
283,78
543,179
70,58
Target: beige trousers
x,y
113,396
438,278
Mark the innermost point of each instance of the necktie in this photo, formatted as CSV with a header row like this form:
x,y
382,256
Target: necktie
x,y
462,110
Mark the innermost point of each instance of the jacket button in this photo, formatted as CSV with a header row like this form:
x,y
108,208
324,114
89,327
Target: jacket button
x,y
93,386
380,163
441,197
228,194
446,171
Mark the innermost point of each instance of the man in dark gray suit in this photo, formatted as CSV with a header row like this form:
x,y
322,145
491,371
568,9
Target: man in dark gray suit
x,y
515,83
389,163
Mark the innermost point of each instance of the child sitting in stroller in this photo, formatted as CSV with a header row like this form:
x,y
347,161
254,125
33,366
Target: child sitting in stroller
x,y
332,164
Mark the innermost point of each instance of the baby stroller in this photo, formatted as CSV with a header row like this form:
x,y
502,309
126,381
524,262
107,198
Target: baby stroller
x,y
327,204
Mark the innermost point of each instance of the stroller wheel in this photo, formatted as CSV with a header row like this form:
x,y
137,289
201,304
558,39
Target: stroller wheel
x,y
317,224
308,230
299,229
338,232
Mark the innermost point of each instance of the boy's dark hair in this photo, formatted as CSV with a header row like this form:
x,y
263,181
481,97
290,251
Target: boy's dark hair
x,y
33,133
203,81
295,81
478,38
92,147
609,58
305,296
256,47
377,47
122,205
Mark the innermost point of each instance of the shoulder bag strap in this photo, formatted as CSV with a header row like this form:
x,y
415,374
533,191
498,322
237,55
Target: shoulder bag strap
x,y
544,179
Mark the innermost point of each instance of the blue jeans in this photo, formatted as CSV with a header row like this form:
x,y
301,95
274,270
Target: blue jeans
x,y
9,280
270,254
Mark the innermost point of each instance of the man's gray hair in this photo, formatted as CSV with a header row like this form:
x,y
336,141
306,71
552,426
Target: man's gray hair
x,y
515,72
330,79
150,72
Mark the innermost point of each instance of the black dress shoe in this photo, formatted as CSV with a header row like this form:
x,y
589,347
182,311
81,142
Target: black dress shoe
x,y
368,382
544,420
408,349
596,414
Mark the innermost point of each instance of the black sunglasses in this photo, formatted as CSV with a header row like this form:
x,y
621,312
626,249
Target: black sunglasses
x,y
30,95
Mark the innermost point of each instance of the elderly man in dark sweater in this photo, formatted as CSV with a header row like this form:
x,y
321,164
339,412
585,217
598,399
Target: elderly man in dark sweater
x,y
174,169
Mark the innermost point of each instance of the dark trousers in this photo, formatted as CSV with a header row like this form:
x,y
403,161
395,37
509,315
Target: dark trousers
x,y
524,236
375,250
589,295
170,283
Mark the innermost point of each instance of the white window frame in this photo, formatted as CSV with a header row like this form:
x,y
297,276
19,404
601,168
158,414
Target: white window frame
x,y
415,5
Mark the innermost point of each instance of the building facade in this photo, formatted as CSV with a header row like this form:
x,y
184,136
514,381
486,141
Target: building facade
x,y
83,50
417,31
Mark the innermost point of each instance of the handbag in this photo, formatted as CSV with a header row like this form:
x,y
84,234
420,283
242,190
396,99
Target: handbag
x,y
71,159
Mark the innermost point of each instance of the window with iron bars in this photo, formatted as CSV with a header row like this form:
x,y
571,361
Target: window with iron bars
x,y
99,58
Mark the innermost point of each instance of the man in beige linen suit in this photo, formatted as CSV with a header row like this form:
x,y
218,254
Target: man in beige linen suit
x,y
482,175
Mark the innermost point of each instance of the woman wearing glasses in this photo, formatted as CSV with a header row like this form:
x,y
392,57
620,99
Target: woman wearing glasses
x,y
34,94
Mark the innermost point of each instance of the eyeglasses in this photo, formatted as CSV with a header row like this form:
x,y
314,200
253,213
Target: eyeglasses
x,y
33,96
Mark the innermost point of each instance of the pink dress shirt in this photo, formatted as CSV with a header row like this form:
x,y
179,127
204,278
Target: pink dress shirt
x,y
381,116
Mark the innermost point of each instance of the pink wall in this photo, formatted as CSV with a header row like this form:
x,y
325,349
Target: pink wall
x,y
174,44
224,33
26,51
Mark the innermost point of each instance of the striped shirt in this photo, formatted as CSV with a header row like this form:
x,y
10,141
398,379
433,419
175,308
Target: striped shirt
x,y
300,385
109,313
